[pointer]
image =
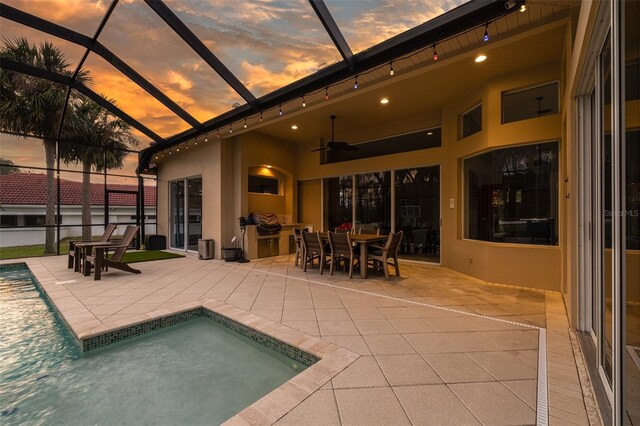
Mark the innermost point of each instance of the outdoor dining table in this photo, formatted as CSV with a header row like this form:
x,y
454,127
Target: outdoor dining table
x,y
363,240
81,249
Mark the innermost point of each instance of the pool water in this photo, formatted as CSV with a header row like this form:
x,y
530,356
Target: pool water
x,y
197,372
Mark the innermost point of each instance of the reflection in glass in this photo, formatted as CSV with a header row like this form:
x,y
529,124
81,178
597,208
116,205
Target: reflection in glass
x,y
194,191
512,195
338,203
606,190
373,203
417,201
177,214
632,208
530,103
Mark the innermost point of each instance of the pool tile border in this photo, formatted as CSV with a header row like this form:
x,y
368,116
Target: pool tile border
x,y
330,359
324,359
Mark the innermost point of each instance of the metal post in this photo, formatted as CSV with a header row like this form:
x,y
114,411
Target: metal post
x,y
141,213
58,218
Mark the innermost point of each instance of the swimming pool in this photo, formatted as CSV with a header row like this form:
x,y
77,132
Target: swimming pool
x,y
196,372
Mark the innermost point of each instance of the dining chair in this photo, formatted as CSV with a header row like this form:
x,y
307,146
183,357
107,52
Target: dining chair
x,y
387,255
297,237
342,250
314,248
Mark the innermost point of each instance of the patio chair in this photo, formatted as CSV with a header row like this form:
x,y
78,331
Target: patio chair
x,y
297,237
100,259
313,248
72,245
383,255
342,250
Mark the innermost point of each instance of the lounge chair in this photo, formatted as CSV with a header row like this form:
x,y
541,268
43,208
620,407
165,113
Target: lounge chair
x,y
383,255
342,251
100,259
313,248
74,247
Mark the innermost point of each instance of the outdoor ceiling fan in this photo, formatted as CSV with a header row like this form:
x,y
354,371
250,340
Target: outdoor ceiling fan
x,y
335,145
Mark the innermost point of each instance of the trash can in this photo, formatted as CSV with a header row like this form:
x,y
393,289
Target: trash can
x,y
205,249
155,242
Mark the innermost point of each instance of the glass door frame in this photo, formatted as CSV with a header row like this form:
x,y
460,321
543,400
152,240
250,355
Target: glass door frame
x,y
392,195
185,222
591,204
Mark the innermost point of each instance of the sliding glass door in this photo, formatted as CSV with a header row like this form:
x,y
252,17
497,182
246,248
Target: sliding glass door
x,y
417,201
405,200
185,216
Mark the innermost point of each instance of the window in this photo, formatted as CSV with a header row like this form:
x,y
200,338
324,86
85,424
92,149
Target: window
x,y
423,139
530,103
34,220
264,185
7,220
471,121
338,204
373,202
511,195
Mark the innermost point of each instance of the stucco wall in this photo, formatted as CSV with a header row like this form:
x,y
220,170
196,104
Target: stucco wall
x,y
520,264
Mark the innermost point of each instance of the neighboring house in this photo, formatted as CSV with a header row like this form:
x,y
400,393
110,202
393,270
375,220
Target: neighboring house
x,y
22,208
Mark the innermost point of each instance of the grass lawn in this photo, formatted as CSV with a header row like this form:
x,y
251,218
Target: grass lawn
x,y
147,255
38,250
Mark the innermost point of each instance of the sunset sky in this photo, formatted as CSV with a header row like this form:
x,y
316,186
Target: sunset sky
x,y
266,44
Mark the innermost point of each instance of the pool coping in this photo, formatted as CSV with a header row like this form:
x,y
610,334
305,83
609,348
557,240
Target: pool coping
x,y
332,359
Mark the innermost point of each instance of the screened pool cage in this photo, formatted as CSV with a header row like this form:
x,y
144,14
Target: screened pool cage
x,y
180,71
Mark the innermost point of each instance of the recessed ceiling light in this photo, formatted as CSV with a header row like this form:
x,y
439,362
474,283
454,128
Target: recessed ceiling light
x,y
384,101
268,166
480,58
294,127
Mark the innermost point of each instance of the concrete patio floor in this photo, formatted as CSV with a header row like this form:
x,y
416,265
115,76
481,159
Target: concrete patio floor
x,y
436,347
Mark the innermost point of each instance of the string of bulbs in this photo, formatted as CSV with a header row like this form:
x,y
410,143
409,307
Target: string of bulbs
x,y
433,48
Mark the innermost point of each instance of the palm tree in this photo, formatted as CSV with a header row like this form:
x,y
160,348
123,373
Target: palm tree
x,y
33,106
101,142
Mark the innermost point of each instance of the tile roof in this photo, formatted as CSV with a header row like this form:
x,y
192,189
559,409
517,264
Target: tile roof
x,y
31,189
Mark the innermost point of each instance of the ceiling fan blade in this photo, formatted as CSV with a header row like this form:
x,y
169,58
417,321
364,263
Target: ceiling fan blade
x,y
349,148
320,149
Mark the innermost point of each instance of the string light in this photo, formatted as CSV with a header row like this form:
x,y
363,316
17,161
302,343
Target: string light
x,y
485,38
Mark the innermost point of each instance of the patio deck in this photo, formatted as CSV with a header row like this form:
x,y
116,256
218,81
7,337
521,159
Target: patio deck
x,y
435,347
